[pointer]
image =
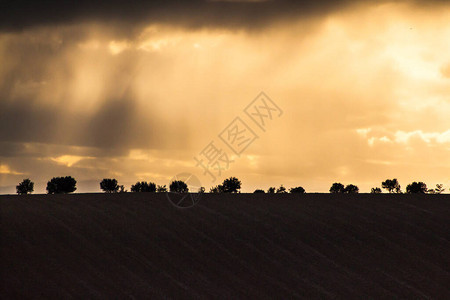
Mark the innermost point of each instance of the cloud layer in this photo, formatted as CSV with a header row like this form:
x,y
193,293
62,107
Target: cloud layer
x,y
198,13
129,15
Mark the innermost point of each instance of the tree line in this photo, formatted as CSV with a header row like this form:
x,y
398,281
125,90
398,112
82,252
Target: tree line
x,y
67,184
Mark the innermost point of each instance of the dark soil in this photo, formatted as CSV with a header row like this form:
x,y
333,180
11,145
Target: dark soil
x,y
227,246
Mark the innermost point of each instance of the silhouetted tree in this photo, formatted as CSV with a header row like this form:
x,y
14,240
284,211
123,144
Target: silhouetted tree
x,y
376,190
231,185
259,191
109,185
351,189
25,187
161,189
201,190
337,188
216,189
299,190
391,185
439,189
143,187
136,188
281,190
122,189
61,185
178,186
416,187
271,190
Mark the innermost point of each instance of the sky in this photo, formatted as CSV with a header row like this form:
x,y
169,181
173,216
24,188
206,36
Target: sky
x,y
352,92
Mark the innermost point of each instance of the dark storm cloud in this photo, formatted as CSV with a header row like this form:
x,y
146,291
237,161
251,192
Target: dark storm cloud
x,y
20,14
17,15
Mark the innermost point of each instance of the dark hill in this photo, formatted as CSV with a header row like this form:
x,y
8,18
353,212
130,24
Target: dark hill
x,y
227,246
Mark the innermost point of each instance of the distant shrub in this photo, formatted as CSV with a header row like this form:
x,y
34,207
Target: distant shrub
x,y
201,190
231,185
391,185
109,185
416,187
271,190
259,191
216,189
281,190
178,186
375,190
337,188
25,187
61,185
143,187
351,189
298,190
161,189
438,190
